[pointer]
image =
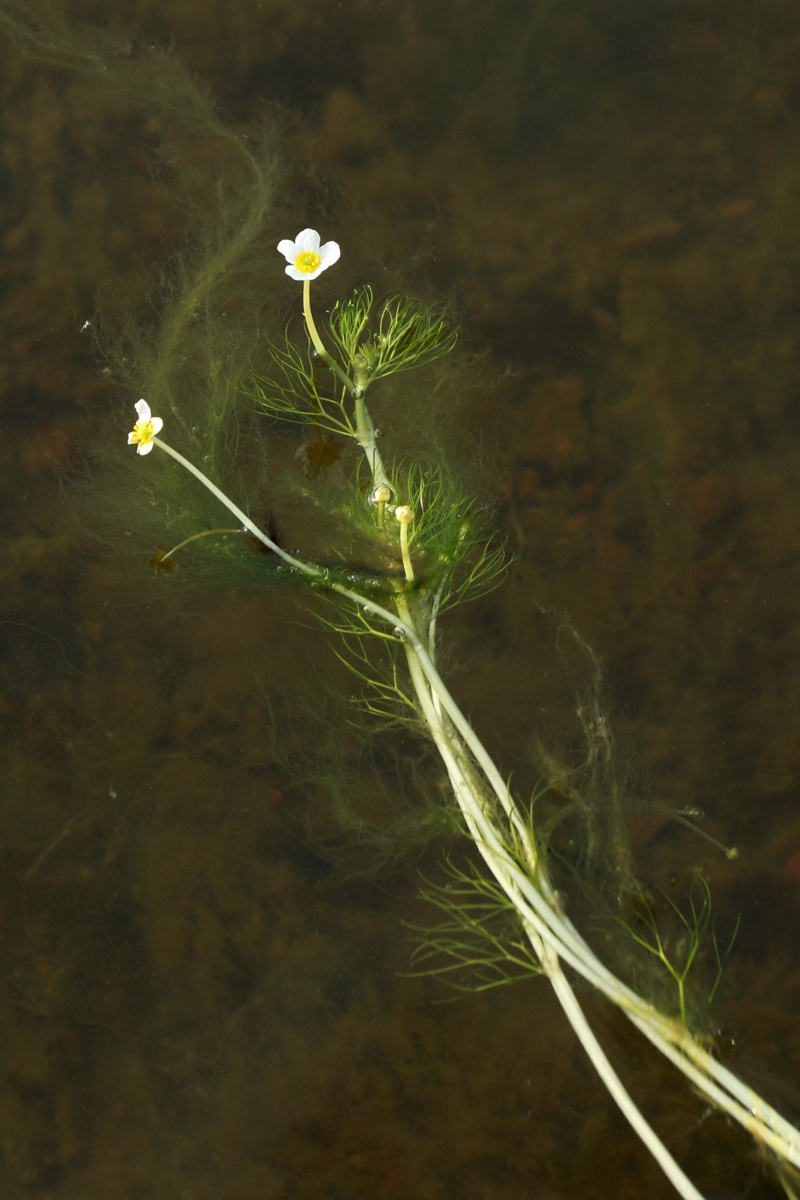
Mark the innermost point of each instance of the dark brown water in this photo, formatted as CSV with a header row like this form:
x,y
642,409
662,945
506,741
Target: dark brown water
x,y
195,1002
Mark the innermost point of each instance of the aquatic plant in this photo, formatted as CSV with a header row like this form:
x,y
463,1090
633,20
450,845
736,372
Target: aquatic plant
x,y
408,542
433,551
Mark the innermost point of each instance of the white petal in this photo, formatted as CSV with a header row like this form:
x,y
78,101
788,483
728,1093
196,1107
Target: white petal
x,y
144,447
288,250
308,239
293,273
131,439
157,424
142,410
329,253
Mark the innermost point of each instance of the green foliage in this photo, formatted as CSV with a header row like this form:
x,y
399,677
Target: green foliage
x,y
297,387
290,389
384,691
406,334
479,944
348,321
182,350
681,940
455,550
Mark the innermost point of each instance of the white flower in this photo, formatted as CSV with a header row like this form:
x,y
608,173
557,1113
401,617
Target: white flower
x,y
145,428
306,258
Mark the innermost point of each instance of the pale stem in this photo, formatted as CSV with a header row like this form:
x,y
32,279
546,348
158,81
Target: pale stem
x,y
407,565
318,574
365,429
585,1034
233,508
548,955
367,440
405,516
319,345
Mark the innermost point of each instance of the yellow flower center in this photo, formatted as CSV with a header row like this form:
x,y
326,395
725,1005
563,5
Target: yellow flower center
x,y
143,432
307,261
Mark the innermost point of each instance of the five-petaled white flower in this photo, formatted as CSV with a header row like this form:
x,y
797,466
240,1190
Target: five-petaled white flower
x,y
145,429
306,258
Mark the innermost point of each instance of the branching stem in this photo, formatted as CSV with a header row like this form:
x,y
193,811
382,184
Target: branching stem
x,y
506,842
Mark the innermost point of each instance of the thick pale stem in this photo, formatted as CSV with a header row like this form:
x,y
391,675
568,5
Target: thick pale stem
x,y
367,440
486,840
